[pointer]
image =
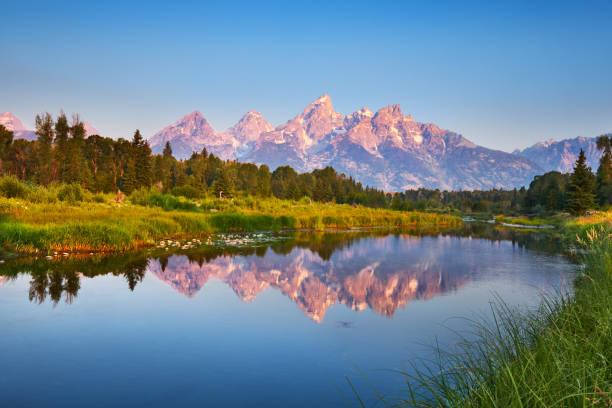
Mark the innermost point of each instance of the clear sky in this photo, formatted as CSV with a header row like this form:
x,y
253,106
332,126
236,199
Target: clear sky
x,y
504,74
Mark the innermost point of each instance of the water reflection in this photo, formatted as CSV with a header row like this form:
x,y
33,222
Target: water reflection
x,y
360,270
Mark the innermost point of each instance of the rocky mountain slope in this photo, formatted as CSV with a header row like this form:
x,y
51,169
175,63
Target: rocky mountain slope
x,y
192,133
561,156
386,149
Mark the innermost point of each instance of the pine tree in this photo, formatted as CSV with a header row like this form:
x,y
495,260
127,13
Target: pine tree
x,y
138,171
263,181
581,186
293,191
129,178
78,169
6,139
604,172
44,152
223,185
62,130
143,163
167,153
323,192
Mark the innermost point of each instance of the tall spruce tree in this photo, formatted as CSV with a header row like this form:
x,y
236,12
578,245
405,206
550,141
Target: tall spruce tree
x,y
44,149
224,184
263,181
604,172
581,187
142,162
62,131
138,172
78,169
167,153
6,139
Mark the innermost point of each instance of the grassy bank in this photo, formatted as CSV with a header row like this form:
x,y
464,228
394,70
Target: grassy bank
x,y
44,223
526,222
559,356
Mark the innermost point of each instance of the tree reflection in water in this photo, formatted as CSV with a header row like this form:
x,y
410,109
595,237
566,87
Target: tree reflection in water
x,y
315,270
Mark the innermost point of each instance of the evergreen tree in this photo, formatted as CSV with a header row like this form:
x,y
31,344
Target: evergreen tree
x,y
604,172
397,202
263,181
44,152
138,170
167,153
581,186
247,178
165,167
6,139
142,160
129,177
293,191
78,170
323,192
62,130
223,185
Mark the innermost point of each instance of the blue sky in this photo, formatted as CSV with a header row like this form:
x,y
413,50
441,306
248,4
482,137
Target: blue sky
x,y
505,74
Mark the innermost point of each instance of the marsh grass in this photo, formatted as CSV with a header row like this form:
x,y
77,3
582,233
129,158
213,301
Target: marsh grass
x,y
535,222
557,356
38,221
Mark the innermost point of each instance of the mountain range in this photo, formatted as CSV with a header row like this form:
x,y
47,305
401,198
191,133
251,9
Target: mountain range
x,y
561,156
385,149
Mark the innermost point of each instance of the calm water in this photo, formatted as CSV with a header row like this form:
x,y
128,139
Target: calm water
x,y
277,325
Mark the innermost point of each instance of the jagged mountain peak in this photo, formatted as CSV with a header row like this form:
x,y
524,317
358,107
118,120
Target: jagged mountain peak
x,y
384,149
393,112
323,100
362,113
249,127
252,114
194,117
561,155
320,106
318,119
189,134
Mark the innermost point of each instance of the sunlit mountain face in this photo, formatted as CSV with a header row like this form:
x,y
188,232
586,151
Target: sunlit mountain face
x,y
315,271
385,149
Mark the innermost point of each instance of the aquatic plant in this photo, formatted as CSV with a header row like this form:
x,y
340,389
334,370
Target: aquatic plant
x,y
90,222
557,356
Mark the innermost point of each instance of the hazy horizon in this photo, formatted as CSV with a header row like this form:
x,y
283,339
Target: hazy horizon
x,y
504,76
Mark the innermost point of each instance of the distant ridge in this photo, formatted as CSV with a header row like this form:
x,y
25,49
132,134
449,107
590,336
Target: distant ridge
x,y
384,149
561,155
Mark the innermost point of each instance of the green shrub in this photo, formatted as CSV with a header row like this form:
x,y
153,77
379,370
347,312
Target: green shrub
x,y
167,202
11,187
185,191
98,198
39,194
71,193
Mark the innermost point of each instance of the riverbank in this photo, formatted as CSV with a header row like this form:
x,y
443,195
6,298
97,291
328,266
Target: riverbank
x,y
558,356
102,225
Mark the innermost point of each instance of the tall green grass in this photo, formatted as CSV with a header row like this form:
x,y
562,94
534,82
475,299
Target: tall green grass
x,y
67,218
558,356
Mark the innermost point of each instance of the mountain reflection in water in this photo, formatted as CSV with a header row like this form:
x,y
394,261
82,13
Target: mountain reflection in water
x,y
315,271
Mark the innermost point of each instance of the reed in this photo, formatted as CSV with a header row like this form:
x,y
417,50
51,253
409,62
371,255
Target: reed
x,y
557,356
64,218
